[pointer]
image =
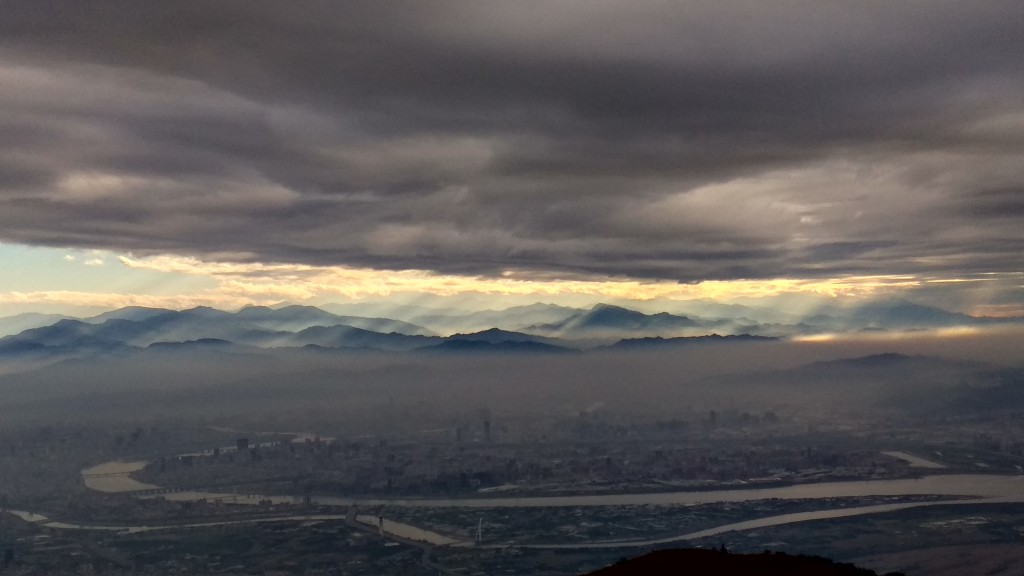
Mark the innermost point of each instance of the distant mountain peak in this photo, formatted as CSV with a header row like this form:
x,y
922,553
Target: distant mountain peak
x,y
610,320
204,311
603,306
488,332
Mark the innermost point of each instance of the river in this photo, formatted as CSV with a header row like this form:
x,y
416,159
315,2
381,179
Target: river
x,y
914,461
970,488
966,485
115,477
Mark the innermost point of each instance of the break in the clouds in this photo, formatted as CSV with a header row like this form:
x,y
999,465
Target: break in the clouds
x,y
684,141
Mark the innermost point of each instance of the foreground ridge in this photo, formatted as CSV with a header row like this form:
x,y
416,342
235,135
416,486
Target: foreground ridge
x,y
701,561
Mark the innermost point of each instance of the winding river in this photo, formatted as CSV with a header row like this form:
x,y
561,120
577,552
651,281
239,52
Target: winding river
x,y
967,488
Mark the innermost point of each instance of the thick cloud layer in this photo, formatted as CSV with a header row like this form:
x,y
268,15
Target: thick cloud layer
x,y
696,140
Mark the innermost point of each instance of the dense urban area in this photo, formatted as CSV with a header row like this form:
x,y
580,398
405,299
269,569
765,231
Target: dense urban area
x,y
213,500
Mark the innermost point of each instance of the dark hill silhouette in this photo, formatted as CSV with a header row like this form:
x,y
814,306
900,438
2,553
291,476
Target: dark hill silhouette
x,y
498,336
202,342
508,346
698,562
659,342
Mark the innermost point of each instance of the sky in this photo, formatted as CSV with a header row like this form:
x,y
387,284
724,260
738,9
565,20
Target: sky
x,y
184,153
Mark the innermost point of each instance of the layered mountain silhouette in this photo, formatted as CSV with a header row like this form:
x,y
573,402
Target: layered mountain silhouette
x,y
21,322
516,318
255,327
134,313
291,318
534,328
891,314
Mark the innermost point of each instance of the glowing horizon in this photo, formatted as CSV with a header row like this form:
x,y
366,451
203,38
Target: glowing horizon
x,y
101,279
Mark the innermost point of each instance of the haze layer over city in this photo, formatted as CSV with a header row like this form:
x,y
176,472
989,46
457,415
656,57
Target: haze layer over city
x,y
510,288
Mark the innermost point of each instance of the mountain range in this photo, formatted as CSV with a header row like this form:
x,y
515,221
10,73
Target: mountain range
x,y
534,328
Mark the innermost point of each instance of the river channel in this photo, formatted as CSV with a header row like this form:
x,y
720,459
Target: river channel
x,y
969,488
978,486
965,489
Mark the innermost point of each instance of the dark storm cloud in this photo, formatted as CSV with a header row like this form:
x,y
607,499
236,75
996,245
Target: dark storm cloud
x,y
658,139
1000,203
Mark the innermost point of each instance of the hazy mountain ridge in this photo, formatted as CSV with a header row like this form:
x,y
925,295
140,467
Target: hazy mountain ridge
x,y
296,318
343,336
605,320
127,313
566,328
688,318
258,327
914,384
872,367
26,321
894,314
515,318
